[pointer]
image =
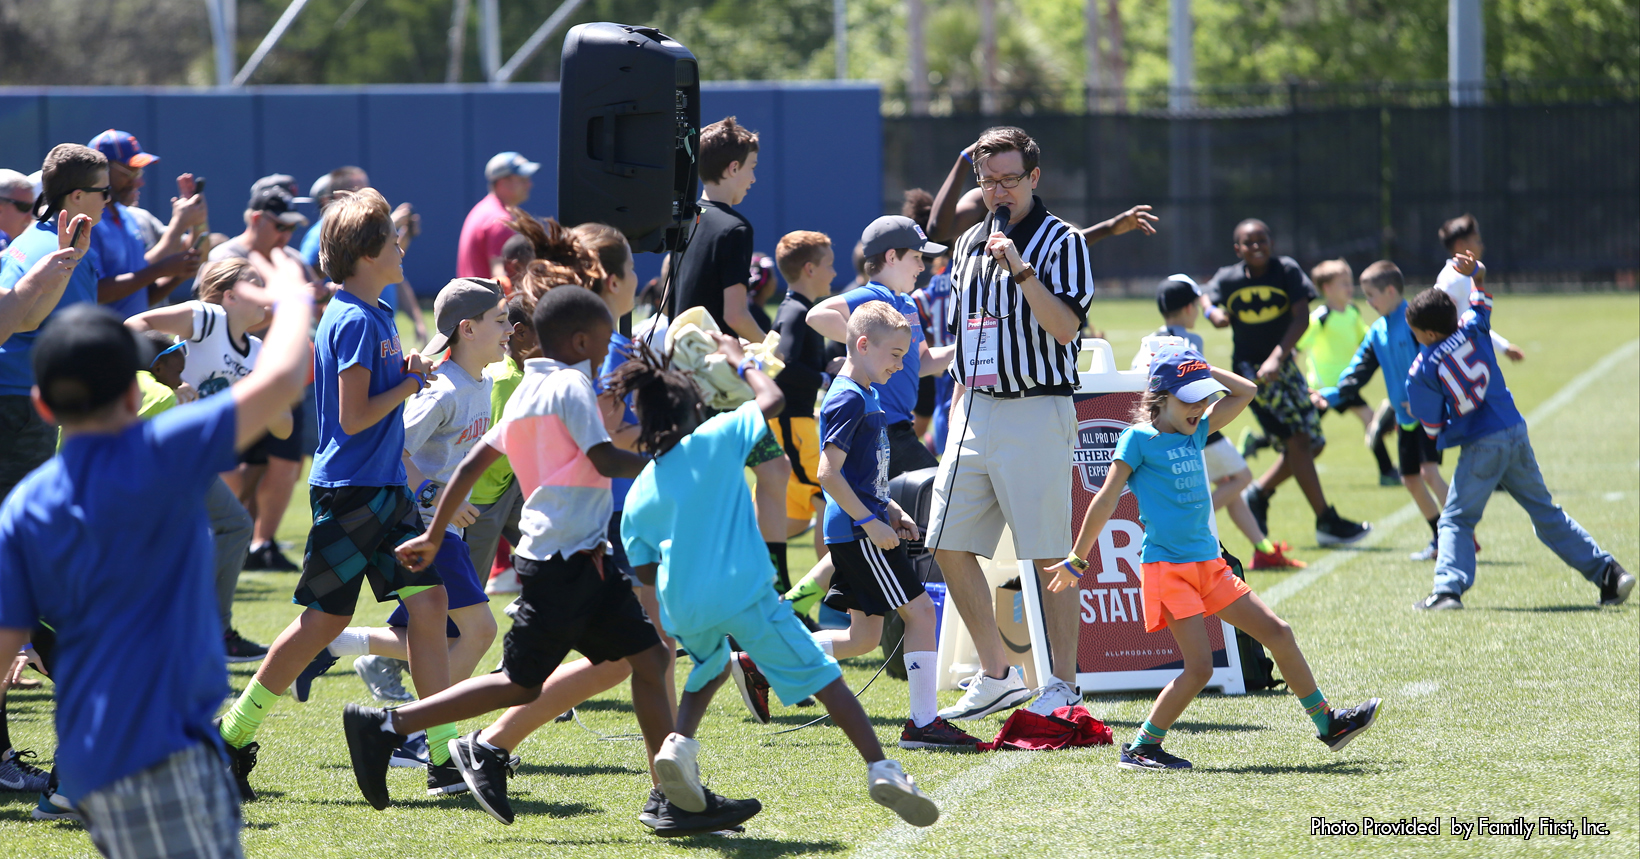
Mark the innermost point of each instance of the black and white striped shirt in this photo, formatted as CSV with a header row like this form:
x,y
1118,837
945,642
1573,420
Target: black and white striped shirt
x,y
1027,355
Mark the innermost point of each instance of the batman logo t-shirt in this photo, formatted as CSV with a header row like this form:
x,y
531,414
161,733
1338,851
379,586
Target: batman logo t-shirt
x,y
1260,308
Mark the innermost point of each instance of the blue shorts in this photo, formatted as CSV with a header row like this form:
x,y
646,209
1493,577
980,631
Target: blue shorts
x,y
455,565
778,642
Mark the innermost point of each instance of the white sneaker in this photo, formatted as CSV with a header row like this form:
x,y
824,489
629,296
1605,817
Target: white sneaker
x,y
894,790
511,610
504,582
987,695
1427,553
1053,696
679,773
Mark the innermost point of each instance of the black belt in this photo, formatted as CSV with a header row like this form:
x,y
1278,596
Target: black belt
x,y
1038,391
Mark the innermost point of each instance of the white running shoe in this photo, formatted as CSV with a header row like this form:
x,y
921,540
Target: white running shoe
x,y
384,677
1053,696
679,773
504,582
894,790
986,695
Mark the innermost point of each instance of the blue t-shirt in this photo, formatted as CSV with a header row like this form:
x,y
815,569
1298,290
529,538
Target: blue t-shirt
x,y
16,374
899,394
109,544
853,419
352,332
1456,387
620,352
121,248
690,512
1175,501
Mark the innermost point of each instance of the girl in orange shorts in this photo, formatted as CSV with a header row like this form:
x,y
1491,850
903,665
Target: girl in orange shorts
x,y
1185,577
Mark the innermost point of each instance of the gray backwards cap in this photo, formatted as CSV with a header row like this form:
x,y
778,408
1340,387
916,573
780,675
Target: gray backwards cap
x,y
896,232
462,298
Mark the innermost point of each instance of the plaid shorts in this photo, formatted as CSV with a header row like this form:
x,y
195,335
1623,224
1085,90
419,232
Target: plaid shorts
x,y
1283,407
355,530
184,807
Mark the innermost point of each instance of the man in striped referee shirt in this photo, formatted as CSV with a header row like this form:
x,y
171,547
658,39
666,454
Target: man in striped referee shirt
x,y
1021,285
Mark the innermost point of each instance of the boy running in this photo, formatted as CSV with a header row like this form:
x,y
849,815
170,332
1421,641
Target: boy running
x,y
1185,577
362,508
689,528
1457,392
1336,331
138,661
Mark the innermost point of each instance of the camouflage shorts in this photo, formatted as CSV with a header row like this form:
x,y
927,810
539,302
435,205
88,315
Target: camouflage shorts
x,y
1283,407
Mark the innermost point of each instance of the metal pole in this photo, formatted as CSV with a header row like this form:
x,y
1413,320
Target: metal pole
x,y
1094,80
1182,52
221,42
268,41
1465,53
989,103
458,40
839,35
917,39
536,41
489,44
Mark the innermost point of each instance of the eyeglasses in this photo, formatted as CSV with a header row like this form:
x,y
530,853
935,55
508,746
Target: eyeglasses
x,y
179,345
105,190
22,205
1004,181
284,228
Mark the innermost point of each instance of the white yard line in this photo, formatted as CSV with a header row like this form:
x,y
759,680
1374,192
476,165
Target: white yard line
x,y
900,839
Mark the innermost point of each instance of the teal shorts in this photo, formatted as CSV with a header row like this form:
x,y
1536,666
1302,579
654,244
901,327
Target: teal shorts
x,y
778,642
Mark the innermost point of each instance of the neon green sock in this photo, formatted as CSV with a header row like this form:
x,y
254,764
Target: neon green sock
x,y
1315,706
1149,734
1266,546
239,724
438,742
807,593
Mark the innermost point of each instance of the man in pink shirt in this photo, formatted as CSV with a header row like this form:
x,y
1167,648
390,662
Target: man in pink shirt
x,y
483,233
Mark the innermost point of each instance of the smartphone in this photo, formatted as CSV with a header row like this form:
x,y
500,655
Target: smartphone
x,y
201,240
79,232
199,184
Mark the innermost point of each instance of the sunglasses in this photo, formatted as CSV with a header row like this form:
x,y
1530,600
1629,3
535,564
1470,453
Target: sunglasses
x,y
181,345
22,205
104,190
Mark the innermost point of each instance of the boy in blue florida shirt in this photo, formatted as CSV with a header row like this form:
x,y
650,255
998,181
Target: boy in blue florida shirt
x,y
894,247
127,583
1458,393
689,527
1185,577
362,507
1389,344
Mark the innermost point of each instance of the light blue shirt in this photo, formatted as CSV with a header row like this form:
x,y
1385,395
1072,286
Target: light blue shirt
x,y
690,512
1175,500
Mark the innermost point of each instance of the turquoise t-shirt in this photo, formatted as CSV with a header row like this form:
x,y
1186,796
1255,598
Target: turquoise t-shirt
x,y
690,512
1175,499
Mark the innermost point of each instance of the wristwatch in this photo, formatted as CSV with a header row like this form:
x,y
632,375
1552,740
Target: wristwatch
x,y
1023,274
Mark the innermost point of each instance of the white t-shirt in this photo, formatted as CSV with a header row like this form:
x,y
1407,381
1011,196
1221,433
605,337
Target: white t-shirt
x,y
1456,287
214,360
444,421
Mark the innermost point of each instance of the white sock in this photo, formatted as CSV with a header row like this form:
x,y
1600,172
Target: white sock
x,y
387,723
354,641
826,645
920,675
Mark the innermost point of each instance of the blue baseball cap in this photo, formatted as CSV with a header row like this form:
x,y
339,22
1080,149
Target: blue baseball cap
x,y
120,146
1184,373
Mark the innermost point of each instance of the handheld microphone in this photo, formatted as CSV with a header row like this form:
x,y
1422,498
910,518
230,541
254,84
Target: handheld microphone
x,y
999,221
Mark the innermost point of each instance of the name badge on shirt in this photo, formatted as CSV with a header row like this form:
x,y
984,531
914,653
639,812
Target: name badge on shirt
x,y
979,349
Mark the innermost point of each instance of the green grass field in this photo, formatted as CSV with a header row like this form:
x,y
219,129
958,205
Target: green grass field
x,y
1522,705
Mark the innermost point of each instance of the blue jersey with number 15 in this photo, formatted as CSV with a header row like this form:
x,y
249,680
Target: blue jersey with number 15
x,y
1456,388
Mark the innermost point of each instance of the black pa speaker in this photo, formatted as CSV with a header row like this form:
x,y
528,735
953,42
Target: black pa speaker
x,y
628,133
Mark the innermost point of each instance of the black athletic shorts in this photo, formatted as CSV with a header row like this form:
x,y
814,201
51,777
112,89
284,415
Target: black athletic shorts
x,y
572,604
355,530
1414,448
289,448
925,398
906,452
871,580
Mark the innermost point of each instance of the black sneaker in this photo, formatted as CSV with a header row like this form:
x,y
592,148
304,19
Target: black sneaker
x,y
1616,584
1149,756
1332,529
1348,724
721,813
241,649
485,772
1258,501
268,557
370,749
650,816
938,734
1439,602
241,761
444,779
304,681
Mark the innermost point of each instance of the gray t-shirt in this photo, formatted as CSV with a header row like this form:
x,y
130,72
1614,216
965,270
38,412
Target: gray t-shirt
x,y
444,421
